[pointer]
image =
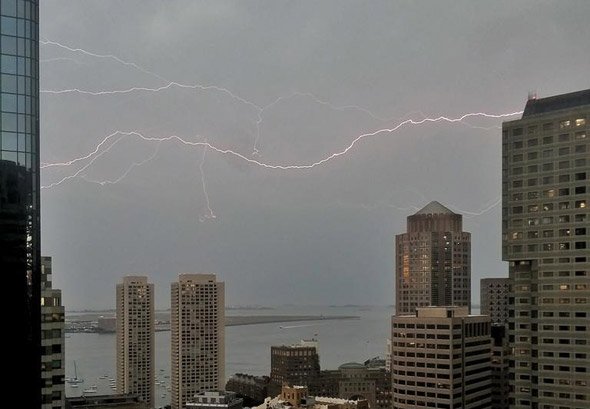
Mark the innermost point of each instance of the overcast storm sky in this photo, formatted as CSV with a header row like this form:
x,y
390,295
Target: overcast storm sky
x,y
317,236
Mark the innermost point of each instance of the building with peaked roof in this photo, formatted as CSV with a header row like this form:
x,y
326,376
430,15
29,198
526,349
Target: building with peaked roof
x,y
433,261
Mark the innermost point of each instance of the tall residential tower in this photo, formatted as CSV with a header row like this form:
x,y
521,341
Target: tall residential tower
x,y
545,225
198,336
135,338
19,191
433,261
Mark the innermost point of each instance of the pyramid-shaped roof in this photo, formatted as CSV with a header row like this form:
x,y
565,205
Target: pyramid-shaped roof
x,y
434,207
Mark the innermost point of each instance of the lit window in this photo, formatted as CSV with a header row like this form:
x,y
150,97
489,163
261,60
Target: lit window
x,y
580,204
564,124
580,122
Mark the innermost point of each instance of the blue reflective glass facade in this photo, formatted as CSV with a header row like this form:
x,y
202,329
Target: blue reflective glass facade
x,y
19,188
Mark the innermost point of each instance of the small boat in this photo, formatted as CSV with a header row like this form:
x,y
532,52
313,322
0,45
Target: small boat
x,y
75,380
92,389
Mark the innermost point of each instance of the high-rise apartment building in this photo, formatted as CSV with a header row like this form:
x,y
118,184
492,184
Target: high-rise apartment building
x,y
441,359
296,364
494,296
198,336
545,226
135,338
19,190
433,261
52,343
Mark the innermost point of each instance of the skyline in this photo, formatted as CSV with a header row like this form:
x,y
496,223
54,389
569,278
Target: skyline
x,y
272,230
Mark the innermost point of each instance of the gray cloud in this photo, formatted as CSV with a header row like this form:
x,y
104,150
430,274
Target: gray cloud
x,y
320,236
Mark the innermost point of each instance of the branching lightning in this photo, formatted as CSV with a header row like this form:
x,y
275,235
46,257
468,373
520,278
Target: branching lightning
x,y
114,138
210,214
127,171
267,165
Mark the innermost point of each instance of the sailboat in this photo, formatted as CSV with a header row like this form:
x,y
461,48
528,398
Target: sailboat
x,y
75,380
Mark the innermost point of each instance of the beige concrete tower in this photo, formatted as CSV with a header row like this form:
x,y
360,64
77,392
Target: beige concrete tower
x,y
52,343
433,261
198,336
135,338
441,359
545,239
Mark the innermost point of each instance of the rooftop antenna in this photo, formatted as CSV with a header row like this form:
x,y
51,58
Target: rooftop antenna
x,y
532,95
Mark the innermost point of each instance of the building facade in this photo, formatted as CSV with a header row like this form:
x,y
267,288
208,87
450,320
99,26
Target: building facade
x,y
500,367
215,400
296,364
433,261
20,257
52,344
135,338
197,336
494,296
441,358
545,225
253,389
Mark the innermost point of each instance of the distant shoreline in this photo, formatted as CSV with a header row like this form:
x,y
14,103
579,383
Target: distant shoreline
x,y
89,325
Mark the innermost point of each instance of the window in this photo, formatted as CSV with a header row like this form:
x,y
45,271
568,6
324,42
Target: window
x,y
532,155
564,137
517,158
564,124
532,142
547,140
580,176
547,207
564,192
547,153
549,193
517,145
564,178
581,135
547,180
580,122
580,148
580,204
564,151
547,167
548,126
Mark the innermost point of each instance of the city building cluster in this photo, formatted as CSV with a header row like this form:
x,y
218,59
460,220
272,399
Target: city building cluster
x,y
528,347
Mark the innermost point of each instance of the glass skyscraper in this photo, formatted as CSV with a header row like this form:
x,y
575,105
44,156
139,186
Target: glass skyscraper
x,y
19,191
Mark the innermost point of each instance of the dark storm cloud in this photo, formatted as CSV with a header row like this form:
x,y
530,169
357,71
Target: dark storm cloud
x,y
323,236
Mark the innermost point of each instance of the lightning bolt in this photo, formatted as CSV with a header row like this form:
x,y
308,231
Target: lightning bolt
x,y
169,84
210,214
127,171
260,110
266,165
260,113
